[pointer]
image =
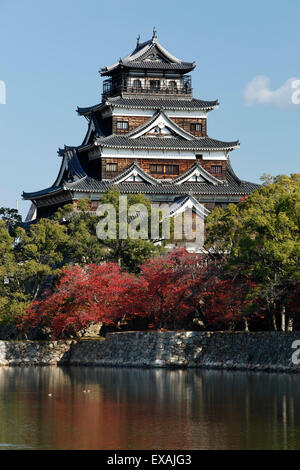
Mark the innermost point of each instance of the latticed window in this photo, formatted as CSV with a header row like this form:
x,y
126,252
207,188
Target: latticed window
x,y
172,169
124,125
196,127
111,167
165,169
137,83
154,84
216,169
156,168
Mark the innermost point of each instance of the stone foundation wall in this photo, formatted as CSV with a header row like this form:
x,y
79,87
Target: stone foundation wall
x,y
43,353
270,351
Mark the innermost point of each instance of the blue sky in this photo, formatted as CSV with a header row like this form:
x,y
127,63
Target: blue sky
x,y
51,51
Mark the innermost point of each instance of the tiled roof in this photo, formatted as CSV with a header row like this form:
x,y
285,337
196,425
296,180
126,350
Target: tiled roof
x,y
208,176
141,57
134,167
152,103
42,192
232,188
179,204
92,185
164,103
199,143
72,165
159,65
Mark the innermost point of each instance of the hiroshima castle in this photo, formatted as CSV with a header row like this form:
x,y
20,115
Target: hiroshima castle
x,y
147,135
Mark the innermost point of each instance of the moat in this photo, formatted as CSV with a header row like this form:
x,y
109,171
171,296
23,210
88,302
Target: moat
x,y
110,408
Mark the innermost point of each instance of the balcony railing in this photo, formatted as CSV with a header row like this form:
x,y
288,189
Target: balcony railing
x,y
112,89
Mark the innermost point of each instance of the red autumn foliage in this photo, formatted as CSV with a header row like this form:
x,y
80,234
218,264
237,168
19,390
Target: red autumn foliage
x,y
175,288
224,300
163,294
170,291
83,296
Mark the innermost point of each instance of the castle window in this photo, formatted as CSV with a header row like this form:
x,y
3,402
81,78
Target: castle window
x,y
216,169
172,169
124,125
111,167
156,168
154,84
196,127
165,169
137,84
173,85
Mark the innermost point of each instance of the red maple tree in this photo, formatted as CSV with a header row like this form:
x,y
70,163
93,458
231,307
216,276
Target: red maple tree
x,y
171,292
82,296
163,294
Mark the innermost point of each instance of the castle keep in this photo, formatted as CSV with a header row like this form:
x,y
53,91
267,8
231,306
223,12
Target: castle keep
x,y
147,135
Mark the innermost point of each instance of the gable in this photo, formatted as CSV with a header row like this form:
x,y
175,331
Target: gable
x,y
197,174
188,203
134,174
154,55
160,125
160,130
195,177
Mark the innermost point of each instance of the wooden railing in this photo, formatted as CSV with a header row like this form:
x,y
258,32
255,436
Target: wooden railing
x,y
110,90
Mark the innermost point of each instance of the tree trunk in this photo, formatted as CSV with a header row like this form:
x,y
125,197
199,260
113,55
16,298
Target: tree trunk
x,y
37,290
290,324
274,321
246,325
283,319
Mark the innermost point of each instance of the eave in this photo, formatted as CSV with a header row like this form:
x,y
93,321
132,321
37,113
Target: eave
x,y
116,141
148,103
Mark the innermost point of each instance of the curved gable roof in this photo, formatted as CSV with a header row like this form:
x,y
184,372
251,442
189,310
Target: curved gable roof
x,y
142,55
159,119
133,169
197,169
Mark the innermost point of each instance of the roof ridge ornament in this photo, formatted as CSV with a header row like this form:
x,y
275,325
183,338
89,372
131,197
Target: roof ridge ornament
x,y
154,37
138,42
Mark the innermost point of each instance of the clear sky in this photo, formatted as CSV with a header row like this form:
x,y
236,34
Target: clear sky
x,y
246,54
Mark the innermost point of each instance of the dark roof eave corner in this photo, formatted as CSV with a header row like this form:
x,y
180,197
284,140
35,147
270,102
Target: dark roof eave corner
x,y
61,151
27,196
80,111
104,70
235,145
84,111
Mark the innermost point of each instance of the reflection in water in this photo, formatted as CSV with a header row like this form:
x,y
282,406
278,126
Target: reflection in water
x,y
110,408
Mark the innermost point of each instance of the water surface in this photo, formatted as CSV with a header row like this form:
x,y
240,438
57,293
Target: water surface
x,y
110,408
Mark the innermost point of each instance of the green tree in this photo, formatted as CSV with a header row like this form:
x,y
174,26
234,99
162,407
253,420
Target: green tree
x,y
40,252
129,252
13,299
11,218
82,245
260,239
